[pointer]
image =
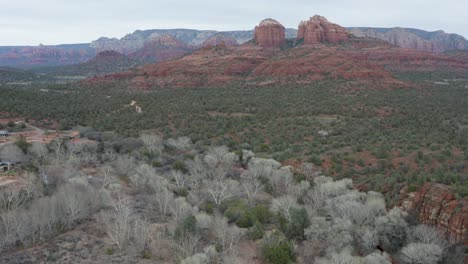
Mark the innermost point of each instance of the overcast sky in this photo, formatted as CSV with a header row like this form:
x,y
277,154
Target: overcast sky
x,y
31,22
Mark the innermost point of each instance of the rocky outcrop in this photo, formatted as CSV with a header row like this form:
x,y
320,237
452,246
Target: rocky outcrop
x,y
270,34
319,30
436,205
220,40
161,48
437,41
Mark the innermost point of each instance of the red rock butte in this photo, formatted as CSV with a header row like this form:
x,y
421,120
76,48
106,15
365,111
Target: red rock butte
x,y
319,30
270,34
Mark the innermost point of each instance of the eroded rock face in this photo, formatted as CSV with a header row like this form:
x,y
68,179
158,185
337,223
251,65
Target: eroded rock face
x,y
319,30
436,205
437,41
270,34
219,40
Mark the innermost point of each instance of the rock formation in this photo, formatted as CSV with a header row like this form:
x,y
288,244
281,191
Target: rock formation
x,y
270,34
437,41
160,48
319,30
220,40
436,205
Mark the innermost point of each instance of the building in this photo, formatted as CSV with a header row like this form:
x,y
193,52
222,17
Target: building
x,y
5,166
4,133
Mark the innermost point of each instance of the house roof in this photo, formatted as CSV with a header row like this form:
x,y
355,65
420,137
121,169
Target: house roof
x,y
4,132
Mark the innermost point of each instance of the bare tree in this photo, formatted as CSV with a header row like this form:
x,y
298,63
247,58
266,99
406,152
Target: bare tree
x,y
141,233
124,165
58,147
181,209
117,225
106,178
180,179
221,189
74,149
251,185
420,253
333,235
182,143
153,143
39,151
12,153
186,245
227,236
282,181
344,257
376,258
198,171
163,200
77,201
204,257
283,206
12,198
220,157
428,235
142,176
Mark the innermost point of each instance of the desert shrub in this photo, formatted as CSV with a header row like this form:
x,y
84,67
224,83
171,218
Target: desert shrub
x,y
179,166
256,231
244,216
277,249
294,229
188,225
261,213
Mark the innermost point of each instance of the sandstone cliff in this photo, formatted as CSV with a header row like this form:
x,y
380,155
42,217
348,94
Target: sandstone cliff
x,y
319,30
437,41
270,34
161,48
436,205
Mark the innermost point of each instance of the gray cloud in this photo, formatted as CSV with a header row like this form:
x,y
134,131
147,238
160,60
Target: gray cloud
x,y
30,22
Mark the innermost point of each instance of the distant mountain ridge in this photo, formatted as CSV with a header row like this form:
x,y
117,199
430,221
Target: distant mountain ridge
x,y
191,37
436,41
42,55
131,44
163,44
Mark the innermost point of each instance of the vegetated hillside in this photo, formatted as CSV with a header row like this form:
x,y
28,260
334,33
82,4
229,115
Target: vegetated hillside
x,y
146,200
458,54
437,41
361,62
104,63
385,140
8,75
